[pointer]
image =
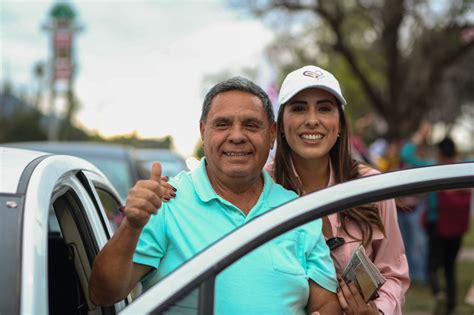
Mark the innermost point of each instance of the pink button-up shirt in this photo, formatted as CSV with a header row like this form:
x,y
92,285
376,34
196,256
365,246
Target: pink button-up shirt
x,y
387,253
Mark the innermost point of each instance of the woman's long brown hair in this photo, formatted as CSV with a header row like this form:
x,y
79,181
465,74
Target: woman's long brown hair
x,y
345,168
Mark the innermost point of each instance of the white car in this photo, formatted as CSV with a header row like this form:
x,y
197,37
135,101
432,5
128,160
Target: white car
x,y
53,225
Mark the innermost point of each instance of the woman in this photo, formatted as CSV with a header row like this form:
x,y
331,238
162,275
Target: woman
x,y
313,152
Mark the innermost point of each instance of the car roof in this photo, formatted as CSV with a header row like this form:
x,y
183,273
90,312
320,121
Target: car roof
x,y
12,163
75,147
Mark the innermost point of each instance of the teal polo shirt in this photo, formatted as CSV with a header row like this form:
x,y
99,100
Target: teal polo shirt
x,y
272,279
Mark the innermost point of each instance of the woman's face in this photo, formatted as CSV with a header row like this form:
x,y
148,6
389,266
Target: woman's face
x,y
311,123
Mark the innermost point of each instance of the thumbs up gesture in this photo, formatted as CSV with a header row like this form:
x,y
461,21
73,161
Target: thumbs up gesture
x,y
144,199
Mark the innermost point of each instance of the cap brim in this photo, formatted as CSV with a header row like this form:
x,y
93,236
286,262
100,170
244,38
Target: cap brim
x,y
339,97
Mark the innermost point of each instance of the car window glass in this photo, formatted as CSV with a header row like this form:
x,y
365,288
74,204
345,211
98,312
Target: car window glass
x,y
53,224
111,207
189,305
117,171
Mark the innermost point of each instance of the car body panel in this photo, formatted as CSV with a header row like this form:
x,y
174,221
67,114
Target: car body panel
x,y
13,162
30,182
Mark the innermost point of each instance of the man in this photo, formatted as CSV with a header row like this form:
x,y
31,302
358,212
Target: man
x,y
227,189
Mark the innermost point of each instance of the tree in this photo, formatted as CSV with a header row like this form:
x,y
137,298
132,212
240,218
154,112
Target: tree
x,y
38,73
401,52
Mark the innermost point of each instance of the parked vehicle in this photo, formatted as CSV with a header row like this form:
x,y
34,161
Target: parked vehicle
x,y
54,223
117,162
171,162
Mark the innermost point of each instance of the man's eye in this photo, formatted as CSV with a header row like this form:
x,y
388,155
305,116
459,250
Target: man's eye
x,y
252,125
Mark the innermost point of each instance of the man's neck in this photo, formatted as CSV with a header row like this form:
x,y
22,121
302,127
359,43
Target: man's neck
x,y
243,194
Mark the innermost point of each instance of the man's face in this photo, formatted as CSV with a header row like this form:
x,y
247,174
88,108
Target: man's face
x,y
237,136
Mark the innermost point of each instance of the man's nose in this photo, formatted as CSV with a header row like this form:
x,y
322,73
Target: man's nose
x,y
237,134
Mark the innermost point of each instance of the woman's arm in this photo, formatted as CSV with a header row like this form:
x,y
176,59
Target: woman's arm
x,y
389,257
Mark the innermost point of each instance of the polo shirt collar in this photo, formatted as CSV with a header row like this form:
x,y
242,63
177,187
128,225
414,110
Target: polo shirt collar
x,y
206,193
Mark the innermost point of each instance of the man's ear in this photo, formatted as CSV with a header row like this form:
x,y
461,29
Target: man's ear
x,y
202,129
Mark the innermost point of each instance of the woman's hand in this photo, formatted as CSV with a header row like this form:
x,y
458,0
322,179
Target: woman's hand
x,y
168,191
352,302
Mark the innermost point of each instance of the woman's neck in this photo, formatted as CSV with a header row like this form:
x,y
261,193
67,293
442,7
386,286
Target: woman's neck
x,y
314,174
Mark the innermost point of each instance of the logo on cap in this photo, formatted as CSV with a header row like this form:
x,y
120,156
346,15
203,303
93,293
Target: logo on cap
x,y
314,74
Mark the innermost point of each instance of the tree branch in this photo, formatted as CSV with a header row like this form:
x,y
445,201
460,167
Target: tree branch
x,y
393,14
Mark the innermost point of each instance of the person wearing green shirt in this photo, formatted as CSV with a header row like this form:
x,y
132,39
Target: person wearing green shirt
x,y
292,274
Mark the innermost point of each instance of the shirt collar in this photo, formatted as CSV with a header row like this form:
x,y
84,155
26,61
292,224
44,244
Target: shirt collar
x,y
206,192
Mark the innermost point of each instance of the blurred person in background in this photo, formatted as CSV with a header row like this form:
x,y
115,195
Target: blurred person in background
x,y
389,158
447,222
227,189
415,153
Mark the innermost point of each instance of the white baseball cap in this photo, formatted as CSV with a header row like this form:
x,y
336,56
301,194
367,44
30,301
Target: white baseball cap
x,y
309,77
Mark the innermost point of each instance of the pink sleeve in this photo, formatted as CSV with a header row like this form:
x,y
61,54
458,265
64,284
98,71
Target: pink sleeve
x,y
270,168
389,256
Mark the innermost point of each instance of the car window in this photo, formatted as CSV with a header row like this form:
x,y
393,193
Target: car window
x,y
111,207
73,242
117,171
70,254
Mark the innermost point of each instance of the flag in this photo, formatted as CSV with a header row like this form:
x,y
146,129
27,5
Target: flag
x,y
266,79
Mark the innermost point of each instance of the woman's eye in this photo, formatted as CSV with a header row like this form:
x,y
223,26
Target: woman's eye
x,y
297,109
325,109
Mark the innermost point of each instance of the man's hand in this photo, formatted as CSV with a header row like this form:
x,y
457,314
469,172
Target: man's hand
x,y
144,199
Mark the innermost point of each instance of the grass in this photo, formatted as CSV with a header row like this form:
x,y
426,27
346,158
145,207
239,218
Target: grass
x,y
419,299
468,239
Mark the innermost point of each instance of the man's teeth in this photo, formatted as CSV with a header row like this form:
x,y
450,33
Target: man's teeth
x,y
236,153
312,137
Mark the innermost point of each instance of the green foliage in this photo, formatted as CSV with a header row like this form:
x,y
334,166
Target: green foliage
x,y
134,140
199,150
62,11
419,299
406,61
22,126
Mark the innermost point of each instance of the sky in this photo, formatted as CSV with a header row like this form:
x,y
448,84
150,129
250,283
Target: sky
x,y
141,64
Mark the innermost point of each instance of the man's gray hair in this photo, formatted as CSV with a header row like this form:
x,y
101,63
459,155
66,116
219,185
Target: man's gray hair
x,y
237,84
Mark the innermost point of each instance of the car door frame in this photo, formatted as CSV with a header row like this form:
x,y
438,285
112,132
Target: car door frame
x,y
200,272
42,184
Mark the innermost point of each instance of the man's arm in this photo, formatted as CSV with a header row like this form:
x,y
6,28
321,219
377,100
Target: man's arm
x,y
114,274
322,300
